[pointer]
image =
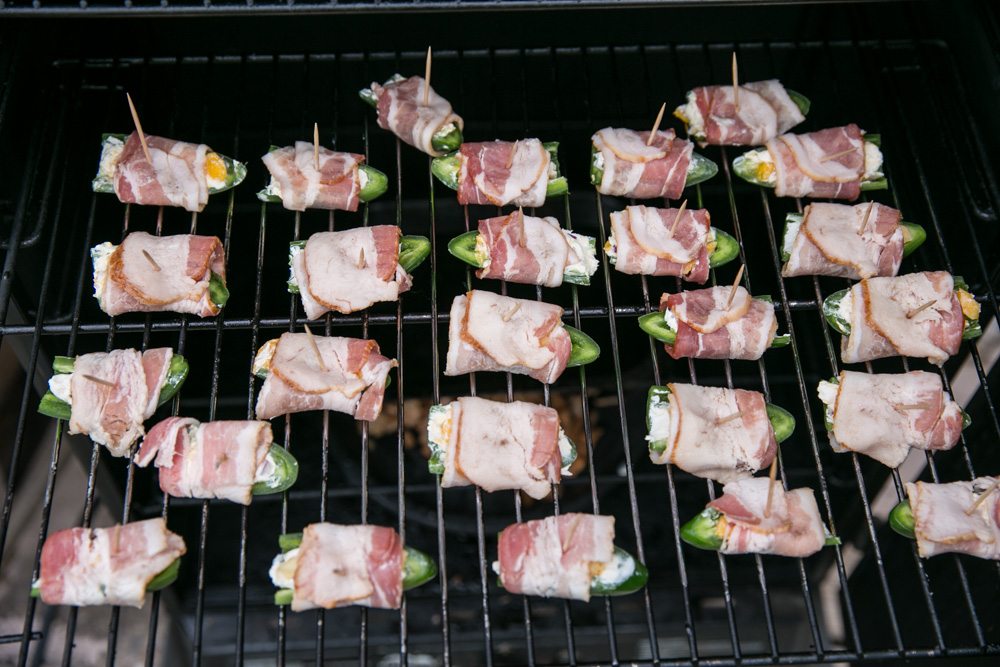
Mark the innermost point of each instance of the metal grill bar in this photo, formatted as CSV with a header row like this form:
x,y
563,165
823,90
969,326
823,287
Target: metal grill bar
x,y
476,619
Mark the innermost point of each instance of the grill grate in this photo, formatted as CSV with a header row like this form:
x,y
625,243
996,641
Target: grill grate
x,y
699,607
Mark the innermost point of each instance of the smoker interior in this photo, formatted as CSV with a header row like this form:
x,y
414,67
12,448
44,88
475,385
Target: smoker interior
x,y
259,85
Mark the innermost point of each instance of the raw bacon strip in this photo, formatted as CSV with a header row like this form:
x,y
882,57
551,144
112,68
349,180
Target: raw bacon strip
x,y
93,566
402,111
552,557
828,242
706,330
345,565
503,446
705,441
644,244
880,326
942,526
498,173
803,167
332,273
211,460
765,111
885,415
530,341
526,249
354,381
633,169
186,263
176,176
793,527
335,185
113,414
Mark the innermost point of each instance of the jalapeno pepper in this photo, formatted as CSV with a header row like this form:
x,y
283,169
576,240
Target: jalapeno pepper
x,y
656,326
913,235
413,250
447,168
703,531
746,168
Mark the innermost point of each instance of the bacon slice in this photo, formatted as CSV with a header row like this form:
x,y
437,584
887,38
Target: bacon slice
x,y
345,565
503,446
633,169
705,440
793,527
880,326
765,111
335,185
828,242
94,566
176,176
526,249
644,244
186,263
942,526
113,414
354,381
885,415
706,330
211,460
498,173
333,274
402,111
530,341
804,169
552,557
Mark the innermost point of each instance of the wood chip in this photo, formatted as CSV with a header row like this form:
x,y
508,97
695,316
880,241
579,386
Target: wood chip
x,y
656,125
138,128
316,145
982,497
915,406
510,313
864,223
920,309
151,260
834,156
315,347
736,85
427,76
770,486
736,283
677,219
510,159
106,383
522,240
729,418
572,532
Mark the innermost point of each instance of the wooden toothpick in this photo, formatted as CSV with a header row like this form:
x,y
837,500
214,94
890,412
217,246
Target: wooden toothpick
x,y
138,128
920,309
915,406
834,156
572,532
729,418
864,223
510,313
151,260
106,383
521,240
736,283
116,538
427,76
982,497
656,125
316,144
770,486
315,347
510,159
361,260
736,85
677,219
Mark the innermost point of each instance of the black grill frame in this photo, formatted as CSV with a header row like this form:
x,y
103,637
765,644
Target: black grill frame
x,y
36,197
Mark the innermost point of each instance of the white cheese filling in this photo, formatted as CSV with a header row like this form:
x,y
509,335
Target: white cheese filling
x,y
585,250
615,571
110,152
262,361
692,117
282,570
59,385
611,247
791,231
101,256
827,392
846,308
670,319
659,419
